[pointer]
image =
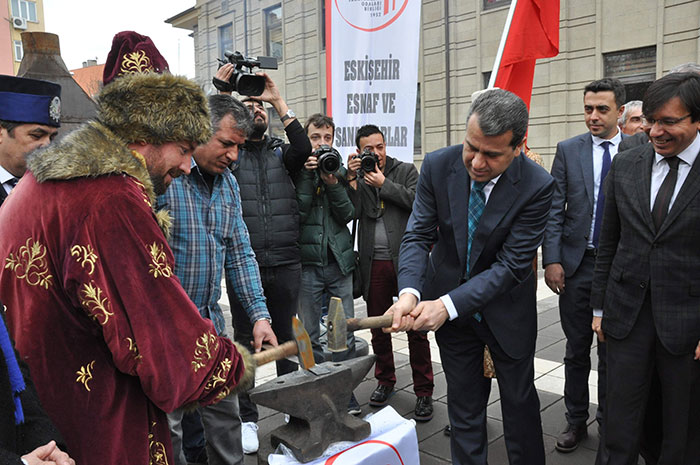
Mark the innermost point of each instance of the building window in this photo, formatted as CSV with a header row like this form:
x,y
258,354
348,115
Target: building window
x,y
486,78
225,39
273,31
19,51
275,126
323,24
489,4
417,143
635,68
24,9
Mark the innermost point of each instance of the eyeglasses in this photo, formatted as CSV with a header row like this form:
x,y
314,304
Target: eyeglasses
x,y
663,122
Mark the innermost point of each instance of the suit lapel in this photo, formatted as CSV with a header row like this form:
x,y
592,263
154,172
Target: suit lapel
x,y
458,194
688,191
643,182
586,158
501,199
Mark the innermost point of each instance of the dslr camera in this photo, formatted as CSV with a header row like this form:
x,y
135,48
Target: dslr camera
x,y
368,161
329,160
243,80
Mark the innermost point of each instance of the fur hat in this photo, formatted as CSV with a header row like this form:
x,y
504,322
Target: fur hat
x,y
155,108
132,53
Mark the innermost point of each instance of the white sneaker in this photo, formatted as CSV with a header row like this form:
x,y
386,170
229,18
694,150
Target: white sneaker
x,y
249,433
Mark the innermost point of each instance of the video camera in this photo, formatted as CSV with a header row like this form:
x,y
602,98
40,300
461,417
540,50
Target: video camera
x,y
368,161
329,160
244,81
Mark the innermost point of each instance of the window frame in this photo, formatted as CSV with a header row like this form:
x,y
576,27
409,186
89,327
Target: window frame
x,y
269,50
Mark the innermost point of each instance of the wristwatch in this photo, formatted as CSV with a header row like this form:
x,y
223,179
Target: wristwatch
x,y
288,115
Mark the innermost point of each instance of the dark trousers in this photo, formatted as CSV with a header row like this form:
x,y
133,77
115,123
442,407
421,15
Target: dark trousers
x,y
632,362
576,316
382,287
281,287
462,352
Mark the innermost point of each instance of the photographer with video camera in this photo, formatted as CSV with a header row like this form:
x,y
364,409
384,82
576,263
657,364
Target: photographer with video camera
x,y
327,258
264,171
382,190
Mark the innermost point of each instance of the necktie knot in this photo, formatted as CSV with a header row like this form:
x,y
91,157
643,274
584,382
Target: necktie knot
x,y
605,144
673,162
479,186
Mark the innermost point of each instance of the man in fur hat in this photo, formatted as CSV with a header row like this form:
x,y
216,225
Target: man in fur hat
x,y
112,340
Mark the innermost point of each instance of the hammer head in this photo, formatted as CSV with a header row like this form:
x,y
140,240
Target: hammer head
x,y
306,355
337,331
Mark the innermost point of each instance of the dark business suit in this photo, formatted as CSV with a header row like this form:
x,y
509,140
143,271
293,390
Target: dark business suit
x,y
500,287
565,241
646,282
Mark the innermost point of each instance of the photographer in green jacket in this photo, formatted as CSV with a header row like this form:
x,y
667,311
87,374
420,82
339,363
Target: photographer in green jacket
x,y
327,259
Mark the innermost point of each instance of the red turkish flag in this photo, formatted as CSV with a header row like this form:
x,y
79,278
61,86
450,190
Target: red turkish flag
x,y
534,33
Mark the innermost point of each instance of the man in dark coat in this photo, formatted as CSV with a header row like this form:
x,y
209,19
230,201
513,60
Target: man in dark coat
x,y
27,435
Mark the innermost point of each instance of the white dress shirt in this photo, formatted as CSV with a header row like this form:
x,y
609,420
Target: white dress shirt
x,y
598,152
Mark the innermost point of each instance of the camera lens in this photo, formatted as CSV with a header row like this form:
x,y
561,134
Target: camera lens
x,y
329,163
249,84
368,163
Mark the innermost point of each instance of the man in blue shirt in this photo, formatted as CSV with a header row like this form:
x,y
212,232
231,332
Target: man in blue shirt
x,y
209,237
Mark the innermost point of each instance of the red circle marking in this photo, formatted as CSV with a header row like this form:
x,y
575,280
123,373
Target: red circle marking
x,y
332,460
396,16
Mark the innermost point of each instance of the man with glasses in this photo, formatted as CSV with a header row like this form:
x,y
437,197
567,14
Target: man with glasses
x,y
643,290
571,243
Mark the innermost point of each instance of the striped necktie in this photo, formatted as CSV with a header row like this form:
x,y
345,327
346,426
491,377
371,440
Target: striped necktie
x,y
477,202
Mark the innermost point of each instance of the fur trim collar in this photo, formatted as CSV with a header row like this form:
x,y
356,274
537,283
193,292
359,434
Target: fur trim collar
x,y
91,151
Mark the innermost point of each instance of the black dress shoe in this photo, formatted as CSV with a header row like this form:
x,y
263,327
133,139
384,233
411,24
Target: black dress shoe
x,y
381,395
447,430
424,408
569,440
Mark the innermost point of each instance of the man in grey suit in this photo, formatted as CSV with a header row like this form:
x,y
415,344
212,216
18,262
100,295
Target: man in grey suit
x,y
571,243
645,281
482,207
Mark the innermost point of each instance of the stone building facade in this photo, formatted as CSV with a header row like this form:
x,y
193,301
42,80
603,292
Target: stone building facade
x,y
634,40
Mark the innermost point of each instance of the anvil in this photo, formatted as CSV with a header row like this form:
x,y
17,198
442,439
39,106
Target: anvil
x,y
317,403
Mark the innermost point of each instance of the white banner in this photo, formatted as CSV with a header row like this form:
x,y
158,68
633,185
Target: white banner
x,y
372,70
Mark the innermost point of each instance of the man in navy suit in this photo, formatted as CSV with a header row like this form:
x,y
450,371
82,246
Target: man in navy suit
x,y
571,244
483,208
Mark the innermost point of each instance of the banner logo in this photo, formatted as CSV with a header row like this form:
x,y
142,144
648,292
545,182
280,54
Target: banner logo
x,y
370,15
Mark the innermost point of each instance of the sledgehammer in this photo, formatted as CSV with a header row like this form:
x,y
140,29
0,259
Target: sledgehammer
x,y
301,345
339,326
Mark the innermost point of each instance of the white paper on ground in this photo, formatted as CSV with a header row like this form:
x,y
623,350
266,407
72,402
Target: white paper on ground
x,y
393,441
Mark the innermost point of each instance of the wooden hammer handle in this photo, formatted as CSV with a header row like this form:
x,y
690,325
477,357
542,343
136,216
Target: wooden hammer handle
x,y
283,350
371,322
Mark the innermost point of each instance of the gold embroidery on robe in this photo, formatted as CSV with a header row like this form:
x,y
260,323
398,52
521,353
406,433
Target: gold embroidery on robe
x,y
223,394
207,344
134,349
30,264
85,374
91,299
156,450
219,376
140,184
85,256
159,266
135,62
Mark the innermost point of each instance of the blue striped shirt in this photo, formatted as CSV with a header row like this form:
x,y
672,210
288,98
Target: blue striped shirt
x,y
208,237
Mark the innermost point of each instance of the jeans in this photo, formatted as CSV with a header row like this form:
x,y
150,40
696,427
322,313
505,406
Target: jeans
x,y
314,281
